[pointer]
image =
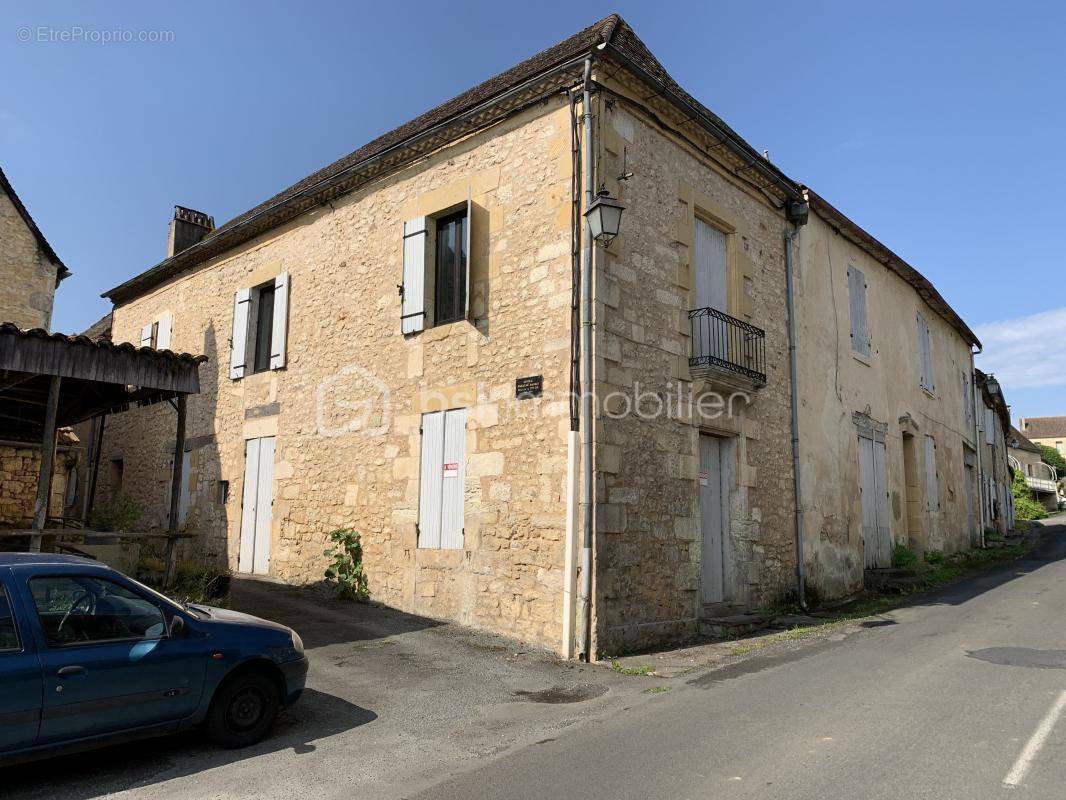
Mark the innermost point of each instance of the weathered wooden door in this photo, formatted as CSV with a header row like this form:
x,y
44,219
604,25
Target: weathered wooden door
x,y
714,481
257,506
873,493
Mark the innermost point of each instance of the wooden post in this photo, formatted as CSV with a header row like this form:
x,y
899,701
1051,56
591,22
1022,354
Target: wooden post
x,y
48,452
175,494
97,447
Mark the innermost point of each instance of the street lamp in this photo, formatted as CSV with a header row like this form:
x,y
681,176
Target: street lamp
x,y
604,218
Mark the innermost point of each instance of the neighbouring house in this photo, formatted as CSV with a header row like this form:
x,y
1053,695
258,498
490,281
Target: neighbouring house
x,y
1026,457
398,344
886,414
30,273
1049,431
30,269
993,419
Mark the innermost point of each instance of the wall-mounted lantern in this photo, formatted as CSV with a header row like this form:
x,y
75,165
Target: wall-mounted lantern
x,y
604,218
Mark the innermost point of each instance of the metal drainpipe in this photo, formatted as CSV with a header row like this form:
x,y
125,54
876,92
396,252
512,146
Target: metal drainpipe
x,y
801,589
586,377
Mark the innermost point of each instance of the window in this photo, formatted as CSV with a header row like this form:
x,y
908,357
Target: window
x,y
1058,446
260,328
157,334
450,303
925,355
77,609
223,492
932,491
443,478
9,638
860,328
436,270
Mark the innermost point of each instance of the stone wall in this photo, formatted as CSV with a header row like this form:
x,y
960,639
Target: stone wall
x,y
337,466
835,384
19,468
27,276
648,518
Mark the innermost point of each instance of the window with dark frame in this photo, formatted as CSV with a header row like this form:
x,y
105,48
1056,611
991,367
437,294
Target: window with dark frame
x,y
264,327
9,639
451,255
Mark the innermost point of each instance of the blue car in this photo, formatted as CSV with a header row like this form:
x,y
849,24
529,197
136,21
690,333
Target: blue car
x,y
89,657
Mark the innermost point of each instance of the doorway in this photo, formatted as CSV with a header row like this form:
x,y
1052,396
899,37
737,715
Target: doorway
x,y
715,480
873,495
257,506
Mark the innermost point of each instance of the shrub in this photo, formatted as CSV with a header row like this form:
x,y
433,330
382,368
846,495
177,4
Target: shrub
x,y
345,571
903,557
934,557
119,515
1025,507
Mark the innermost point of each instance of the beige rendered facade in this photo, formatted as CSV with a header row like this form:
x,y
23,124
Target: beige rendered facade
x,y
453,446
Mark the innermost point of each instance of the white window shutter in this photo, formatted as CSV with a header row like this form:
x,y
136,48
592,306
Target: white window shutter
x,y
453,475
162,340
239,336
281,321
466,248
413,304
860,329
146,335
430,479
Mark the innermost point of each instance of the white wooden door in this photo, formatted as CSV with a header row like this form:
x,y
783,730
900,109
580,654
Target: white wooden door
x,y
873,495
257,506
714,482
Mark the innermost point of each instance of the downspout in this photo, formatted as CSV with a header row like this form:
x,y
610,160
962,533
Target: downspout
x,y
586,376
981,492
801,589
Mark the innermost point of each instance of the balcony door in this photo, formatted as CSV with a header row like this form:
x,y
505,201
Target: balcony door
x,y
712,291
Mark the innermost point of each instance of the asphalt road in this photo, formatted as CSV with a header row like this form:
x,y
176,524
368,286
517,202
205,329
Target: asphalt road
x,y
956,698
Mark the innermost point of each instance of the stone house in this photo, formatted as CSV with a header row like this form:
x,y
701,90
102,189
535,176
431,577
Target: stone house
x,y
1050,431
29,267
397,344
1025,457
886,407
993,421
30,273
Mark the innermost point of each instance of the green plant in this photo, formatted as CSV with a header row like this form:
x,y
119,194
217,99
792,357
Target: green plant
x,y
1025,507
903,557
934,557
121,514
1049,455
656,689
345,571
643,669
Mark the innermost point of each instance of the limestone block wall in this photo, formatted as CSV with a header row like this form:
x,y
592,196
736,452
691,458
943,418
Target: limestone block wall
x,y
19,469
648,543
346,409
27,277
835,384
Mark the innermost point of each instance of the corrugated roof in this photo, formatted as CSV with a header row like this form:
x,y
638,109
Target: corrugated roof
x,y
61,268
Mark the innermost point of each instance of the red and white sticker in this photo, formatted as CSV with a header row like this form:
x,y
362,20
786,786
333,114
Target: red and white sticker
x,y
451,470
704,479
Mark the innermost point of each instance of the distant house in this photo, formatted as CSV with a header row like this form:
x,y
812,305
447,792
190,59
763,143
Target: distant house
x,y
1042,479
1050,431
993,422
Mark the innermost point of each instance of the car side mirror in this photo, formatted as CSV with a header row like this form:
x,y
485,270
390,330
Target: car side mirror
x,y
177,627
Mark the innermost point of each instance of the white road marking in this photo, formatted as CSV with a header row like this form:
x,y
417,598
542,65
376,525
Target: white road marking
x,y
1035,743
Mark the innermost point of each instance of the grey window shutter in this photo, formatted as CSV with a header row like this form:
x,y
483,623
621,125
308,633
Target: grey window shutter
x,y
453,475
932,498
924,353
280,328
162,340
239,336
430,480
466,248
146,335
860,329
412,290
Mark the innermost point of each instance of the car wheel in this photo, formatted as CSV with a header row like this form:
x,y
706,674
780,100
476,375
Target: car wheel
x,y
243,711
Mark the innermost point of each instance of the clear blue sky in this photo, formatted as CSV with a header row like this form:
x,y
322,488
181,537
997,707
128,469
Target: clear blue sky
x,y
937,126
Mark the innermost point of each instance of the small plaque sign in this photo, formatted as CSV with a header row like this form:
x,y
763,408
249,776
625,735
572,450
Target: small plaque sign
x,y
451,470
704,478
527,388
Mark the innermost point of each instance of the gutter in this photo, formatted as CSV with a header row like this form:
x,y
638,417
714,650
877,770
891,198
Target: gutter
x,y
797,486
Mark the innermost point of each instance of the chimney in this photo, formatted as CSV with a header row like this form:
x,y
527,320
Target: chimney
x,y
188,227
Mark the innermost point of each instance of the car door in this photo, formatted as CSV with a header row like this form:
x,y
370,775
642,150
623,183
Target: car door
x,y
20,676
107,661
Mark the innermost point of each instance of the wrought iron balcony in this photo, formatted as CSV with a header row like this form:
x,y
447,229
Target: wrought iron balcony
x,y
724,343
